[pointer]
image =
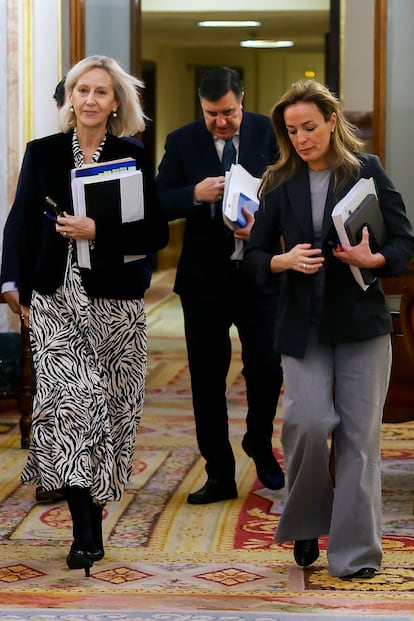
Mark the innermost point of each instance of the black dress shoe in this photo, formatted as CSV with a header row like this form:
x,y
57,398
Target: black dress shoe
x,y
362,574
268,469
306,551
46,496
80,559
97,554
213,491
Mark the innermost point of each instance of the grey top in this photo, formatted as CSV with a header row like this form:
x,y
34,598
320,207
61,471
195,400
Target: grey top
x,y
319,183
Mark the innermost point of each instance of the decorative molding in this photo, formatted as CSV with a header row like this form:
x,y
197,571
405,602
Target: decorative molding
x,y
27,70
77,30
135,38
380,79
341,35
14,96
332,48
60,40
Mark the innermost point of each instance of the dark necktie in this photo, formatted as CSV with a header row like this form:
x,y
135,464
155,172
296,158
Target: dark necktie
x,y
229,154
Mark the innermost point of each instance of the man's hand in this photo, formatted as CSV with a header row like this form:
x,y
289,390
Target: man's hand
x,y
12,299
210,190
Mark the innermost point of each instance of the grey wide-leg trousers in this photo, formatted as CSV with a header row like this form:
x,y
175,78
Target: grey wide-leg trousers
x,y
342,389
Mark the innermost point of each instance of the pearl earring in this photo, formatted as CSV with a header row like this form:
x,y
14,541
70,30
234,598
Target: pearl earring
x,y
114,114
71,109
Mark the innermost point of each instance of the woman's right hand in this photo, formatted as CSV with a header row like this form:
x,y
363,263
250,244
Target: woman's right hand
x,y
301,258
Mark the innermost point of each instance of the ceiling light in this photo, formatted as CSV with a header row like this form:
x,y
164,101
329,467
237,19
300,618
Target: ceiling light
x,y
229,24
262,43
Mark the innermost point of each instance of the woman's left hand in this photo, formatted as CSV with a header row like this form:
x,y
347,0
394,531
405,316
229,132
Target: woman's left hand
x,y
25,314
360,255
76,227
244,232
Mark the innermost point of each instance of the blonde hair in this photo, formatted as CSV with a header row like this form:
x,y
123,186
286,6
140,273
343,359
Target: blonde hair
x,y
130,118
344,140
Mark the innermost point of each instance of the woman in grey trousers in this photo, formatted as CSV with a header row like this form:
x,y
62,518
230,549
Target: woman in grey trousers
x,y
334,336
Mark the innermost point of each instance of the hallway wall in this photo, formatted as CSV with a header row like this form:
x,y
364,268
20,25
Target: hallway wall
x,y
30,69
266,75
33,57
400,99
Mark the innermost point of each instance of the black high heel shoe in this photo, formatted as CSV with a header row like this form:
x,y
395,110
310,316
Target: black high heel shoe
x,y
306,551
97,554
80,559
98,551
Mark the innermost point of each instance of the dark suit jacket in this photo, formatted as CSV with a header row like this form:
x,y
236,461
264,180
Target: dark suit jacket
x,y
42,252
190,156
349,314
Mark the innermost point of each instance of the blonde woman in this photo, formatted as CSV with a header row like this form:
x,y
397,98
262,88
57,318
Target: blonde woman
x,y
334,337
87,326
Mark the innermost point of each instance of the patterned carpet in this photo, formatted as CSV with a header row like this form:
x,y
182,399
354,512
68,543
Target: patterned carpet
x,y
170,561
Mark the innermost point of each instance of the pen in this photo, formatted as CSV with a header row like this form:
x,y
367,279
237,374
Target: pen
x,y
337,245
51,216
54,206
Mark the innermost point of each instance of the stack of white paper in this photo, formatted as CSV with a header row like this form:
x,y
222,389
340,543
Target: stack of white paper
x,y
344,208
99,199
240,190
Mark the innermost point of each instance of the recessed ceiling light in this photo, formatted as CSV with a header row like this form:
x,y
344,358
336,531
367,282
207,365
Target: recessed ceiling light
x,y
229,24
262,43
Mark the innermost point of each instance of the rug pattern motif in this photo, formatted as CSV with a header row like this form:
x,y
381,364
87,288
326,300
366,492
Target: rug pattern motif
x,y
163,554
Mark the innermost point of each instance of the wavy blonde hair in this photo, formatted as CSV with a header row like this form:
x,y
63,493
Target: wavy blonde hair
x,y
344,140
130,117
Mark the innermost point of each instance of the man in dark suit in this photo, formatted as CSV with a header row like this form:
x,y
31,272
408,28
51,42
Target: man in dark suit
x,y
213,290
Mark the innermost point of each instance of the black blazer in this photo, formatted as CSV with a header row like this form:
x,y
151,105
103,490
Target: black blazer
x,y
42,252
349,314
190,156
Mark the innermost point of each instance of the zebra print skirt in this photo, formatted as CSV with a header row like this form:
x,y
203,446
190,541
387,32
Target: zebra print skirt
x,y
89,358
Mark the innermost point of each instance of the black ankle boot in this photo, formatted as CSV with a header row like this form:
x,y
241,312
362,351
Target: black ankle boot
x,y
83,552
96,518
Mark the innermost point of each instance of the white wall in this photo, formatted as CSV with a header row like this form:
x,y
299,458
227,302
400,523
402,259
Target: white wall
x,y
399,156
3,109
46,69
358,55
3,134
30,113
104,18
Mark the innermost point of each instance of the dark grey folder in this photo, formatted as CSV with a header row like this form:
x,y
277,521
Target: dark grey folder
x,y
368,213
